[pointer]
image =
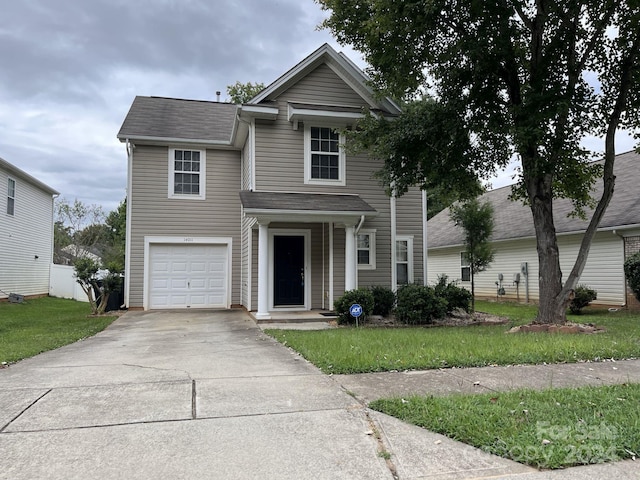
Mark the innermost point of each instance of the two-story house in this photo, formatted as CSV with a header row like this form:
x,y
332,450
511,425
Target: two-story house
x,y
26,232
260,204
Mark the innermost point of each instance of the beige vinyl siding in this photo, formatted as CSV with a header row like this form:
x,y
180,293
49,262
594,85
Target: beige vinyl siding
x,y
409,222
245,261
23,236
280,167
280,148
155,214
603,270
324,87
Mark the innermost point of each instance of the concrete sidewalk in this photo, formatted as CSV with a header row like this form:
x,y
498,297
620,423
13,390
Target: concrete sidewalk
x,y
208,395
418,454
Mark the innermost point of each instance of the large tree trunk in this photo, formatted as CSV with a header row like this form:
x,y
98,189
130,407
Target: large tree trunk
x,y
553,301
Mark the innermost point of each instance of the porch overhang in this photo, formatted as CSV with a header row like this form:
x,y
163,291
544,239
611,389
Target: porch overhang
x,y
268,207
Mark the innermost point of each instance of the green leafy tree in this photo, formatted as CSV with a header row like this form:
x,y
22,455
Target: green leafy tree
x,y
86,272
116,224
477,222
524,77
243,92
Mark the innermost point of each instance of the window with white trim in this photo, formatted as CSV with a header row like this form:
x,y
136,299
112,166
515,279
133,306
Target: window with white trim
x,y
187,173
404,260
324,157
465,268
366,249
11,196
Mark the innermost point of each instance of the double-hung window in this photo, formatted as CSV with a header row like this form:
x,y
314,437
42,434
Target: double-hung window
x,y
465,267
324,156
366,247
11,196
187,173
404,260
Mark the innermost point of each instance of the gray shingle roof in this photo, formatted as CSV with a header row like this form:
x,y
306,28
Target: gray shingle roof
x,y
514,220
172,118
312,202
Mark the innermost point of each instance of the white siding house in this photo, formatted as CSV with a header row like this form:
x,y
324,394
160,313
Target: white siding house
x,y
513,239
26,232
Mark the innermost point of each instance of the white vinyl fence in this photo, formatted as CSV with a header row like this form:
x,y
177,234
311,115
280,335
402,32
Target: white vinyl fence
x,y
63,284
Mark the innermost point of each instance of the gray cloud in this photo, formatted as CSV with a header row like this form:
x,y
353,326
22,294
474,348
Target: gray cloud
x,y
70,69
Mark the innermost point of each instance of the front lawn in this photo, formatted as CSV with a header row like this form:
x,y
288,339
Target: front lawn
x,y
546,429
42,324
358,350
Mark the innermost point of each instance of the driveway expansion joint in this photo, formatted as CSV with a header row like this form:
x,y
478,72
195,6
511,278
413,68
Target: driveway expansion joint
x,y
2,430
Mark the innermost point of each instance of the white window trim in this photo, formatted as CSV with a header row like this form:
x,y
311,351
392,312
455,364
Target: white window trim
x,y
307,159
372,249
202,172
13,197
409,240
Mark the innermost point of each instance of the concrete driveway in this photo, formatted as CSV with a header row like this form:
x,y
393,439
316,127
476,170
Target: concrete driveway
x,y
180,395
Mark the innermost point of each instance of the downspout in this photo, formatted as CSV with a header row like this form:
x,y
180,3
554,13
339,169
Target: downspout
x,y
359,224
394,273
127,249
624,280
424,237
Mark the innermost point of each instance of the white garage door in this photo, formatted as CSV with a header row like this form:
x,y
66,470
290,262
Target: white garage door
x,y
188,276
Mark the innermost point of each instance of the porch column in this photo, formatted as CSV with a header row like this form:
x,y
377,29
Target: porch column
x,y
350,263
263,272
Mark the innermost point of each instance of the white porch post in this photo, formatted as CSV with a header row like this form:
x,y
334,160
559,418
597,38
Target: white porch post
x,y
350,258
263,272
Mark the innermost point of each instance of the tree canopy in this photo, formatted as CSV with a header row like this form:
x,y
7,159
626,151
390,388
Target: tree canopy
x,y
243,92
526,78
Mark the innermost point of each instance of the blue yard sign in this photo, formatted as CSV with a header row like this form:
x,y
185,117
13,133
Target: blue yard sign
x,y
356,311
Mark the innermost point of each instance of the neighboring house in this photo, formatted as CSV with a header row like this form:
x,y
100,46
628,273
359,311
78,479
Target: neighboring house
x,y
260,205
70,253
26,232
617,238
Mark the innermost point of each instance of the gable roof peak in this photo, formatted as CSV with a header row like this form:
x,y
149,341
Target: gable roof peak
x,y
340,64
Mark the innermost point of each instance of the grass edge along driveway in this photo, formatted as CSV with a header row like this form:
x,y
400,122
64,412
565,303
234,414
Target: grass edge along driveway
x,y
42,324
552,428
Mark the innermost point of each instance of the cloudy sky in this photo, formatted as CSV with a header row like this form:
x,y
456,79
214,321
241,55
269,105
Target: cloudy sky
x,y
69,70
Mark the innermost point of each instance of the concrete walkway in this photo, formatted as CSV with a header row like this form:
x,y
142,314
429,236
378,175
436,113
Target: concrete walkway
x,y
208,395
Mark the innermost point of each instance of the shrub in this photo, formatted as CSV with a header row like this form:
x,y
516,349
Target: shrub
x,y
583,297
384,299
418,305
362,296
632,273
455,296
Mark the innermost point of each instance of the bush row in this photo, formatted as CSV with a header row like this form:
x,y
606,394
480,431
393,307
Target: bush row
x,y
414,304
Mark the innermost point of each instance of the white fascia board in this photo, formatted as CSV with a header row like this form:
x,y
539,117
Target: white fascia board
x,y
306,216
259,111
177,141
323,116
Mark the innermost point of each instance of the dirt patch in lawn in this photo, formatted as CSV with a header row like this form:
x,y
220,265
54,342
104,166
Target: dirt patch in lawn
x,y
570,328
456,319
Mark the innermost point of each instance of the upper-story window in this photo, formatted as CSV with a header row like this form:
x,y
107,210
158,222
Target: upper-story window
x,y
11,196
324,161
187,174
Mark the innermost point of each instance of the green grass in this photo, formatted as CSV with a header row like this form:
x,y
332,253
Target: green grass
x,y
546,429
42,324
357,350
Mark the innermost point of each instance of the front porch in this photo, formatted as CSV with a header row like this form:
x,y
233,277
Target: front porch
x,y
297,255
